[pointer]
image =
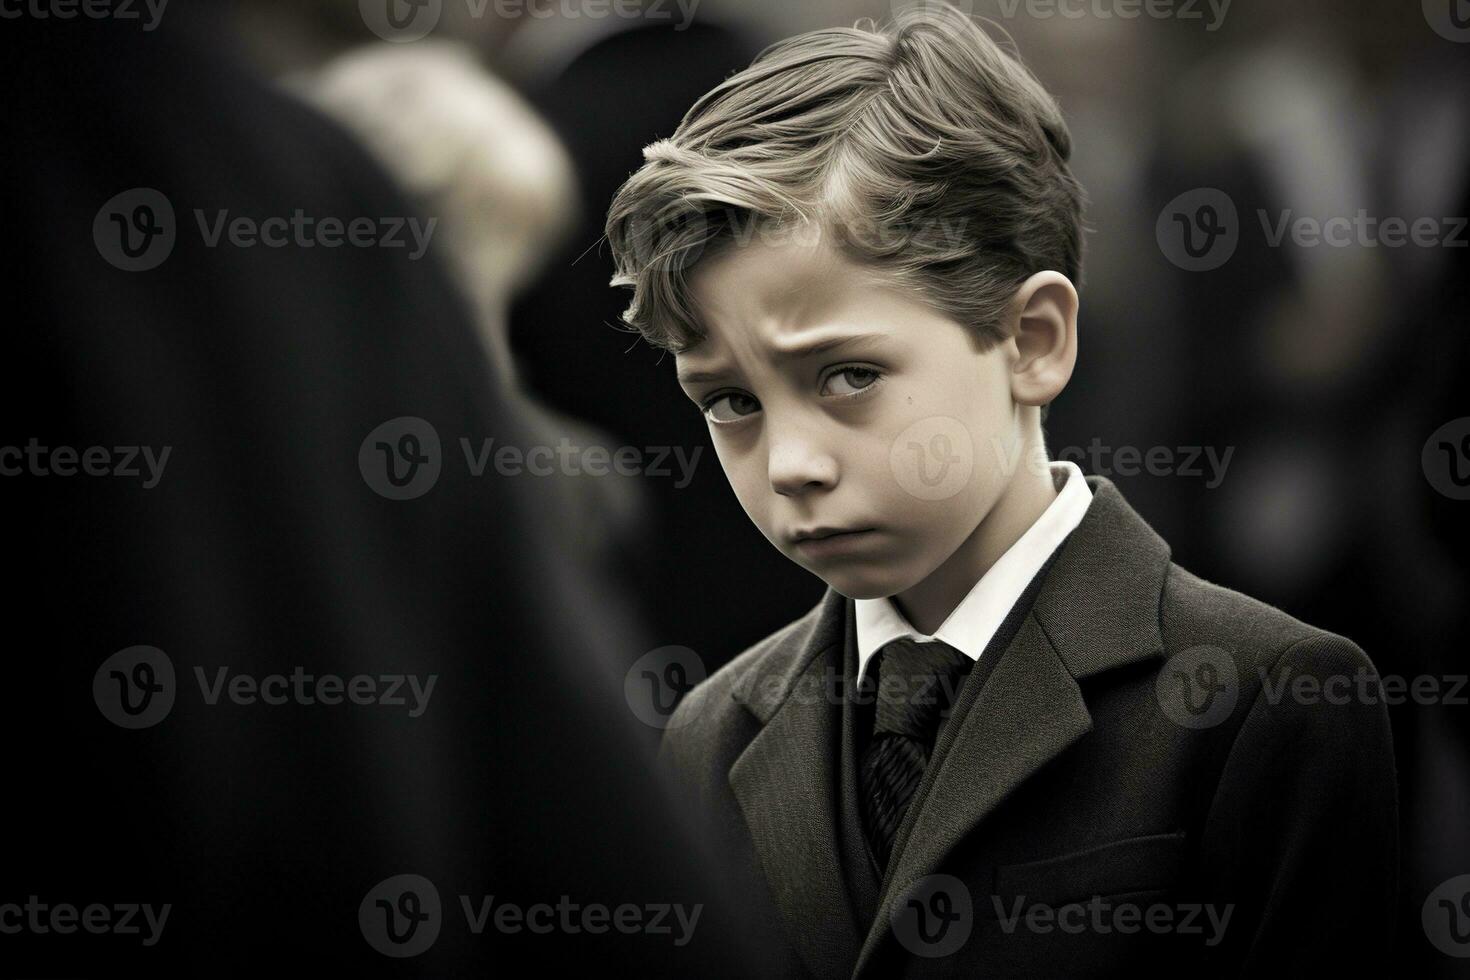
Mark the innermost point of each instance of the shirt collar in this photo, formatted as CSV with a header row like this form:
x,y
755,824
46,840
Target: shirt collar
x,y
974,621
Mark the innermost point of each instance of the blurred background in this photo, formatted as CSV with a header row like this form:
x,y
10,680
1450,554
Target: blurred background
x,y
1274,402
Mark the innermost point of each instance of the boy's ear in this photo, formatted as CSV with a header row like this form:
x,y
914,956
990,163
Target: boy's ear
x,y
1043,338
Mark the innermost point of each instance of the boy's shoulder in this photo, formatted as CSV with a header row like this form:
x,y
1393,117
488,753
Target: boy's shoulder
x,y
1206,620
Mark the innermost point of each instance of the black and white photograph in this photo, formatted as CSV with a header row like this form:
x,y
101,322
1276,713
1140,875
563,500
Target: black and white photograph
x,y
773,489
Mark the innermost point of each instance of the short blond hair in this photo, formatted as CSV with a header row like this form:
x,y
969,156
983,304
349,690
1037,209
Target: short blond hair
x,y
467,146
923,147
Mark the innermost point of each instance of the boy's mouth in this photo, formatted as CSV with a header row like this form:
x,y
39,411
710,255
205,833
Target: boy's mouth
x,y
823,531
823,542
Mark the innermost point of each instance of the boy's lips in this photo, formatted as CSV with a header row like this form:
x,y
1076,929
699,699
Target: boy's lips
x,y
823,531
823,542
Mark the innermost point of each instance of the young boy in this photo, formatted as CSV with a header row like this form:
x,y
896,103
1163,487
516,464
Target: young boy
x,y
1013,737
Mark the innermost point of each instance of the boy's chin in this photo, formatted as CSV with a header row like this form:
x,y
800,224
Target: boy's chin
x,y
856,585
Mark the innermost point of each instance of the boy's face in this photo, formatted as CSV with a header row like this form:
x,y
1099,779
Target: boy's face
x,y
897,432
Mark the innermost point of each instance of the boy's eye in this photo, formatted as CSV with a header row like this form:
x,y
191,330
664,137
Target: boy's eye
x,y
848,380
730,407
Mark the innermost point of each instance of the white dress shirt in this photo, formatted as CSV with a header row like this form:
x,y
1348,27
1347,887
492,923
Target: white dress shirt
x,y
974,621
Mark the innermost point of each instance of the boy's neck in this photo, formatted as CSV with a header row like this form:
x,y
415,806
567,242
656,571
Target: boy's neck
x,y
928,604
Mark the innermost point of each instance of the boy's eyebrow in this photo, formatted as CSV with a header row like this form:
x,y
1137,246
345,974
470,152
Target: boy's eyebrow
x,y
792,351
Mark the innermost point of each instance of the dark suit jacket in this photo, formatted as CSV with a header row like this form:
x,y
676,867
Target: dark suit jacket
x,y
1130,747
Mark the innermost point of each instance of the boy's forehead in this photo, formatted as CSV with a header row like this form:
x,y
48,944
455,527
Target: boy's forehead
x,y
764,291
763,275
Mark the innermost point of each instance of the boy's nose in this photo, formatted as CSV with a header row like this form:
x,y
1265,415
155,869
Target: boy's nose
x,y
797,465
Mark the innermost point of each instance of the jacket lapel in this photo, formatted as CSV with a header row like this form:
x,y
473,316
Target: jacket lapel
x,y
787,786
1097,609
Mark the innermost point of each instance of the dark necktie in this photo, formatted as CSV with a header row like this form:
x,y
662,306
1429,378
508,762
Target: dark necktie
x,y
916,682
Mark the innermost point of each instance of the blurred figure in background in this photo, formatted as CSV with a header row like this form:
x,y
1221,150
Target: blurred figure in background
x,y
268,546
608,82
476,158
473,154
